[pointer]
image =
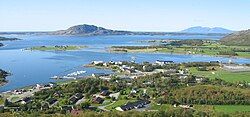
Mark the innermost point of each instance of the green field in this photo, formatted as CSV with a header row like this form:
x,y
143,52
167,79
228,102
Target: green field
x,y
162,107
57,48
118,103
206,108
214,49
222,74
232,108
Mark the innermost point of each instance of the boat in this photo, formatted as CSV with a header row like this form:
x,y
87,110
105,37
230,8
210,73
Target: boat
x,y
67,77
55,77
76,73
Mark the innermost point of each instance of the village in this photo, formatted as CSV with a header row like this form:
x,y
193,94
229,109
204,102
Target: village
x,y
132,86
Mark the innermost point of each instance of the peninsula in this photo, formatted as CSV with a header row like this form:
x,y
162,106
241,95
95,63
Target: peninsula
x,y
57,48
193,46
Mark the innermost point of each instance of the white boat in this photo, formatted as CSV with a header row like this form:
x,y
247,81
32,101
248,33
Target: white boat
x,y
76,73
67,77
54,77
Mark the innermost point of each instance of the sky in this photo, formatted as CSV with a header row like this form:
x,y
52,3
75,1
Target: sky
x,y
133,15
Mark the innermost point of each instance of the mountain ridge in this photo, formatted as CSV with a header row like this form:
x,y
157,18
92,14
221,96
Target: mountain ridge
x,y
86,29
89,30
200,29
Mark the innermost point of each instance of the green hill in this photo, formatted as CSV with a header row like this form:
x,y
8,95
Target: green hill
x,y
241,38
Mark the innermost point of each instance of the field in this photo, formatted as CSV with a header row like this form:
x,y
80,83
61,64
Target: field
x,y
232,108
213,49
162,107
222,74
117,104
223,108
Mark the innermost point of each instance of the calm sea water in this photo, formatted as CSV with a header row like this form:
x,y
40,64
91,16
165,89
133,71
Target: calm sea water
x,y
32,67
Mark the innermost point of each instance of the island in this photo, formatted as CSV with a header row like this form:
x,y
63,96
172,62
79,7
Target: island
x,y
8,39
191,46
57,48
3,75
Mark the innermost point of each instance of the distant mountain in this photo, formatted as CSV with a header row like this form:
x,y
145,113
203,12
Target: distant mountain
x,y
89,30
207,30
238,38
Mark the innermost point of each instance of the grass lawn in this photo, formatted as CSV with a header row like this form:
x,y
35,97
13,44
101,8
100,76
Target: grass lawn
x,y
244,54
162,107
118,103
207,108
225,75
206,49
1,101
232,108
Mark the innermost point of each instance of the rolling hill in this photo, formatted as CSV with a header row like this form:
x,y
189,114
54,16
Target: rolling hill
x,y
86,29
241,38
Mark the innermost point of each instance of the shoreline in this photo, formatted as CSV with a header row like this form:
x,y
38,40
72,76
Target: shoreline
x,y
56,48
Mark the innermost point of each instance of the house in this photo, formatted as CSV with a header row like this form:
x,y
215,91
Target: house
x,y
118,63
105,93
111,62
26,100
97,62
181,72
99,75
52,101
98,100
199,79
214,62
170,71
57,94
105,78
114,95
17,92
133,105
38,86
52,84
133,91
160,62
186,106
73,99
183,76
128,69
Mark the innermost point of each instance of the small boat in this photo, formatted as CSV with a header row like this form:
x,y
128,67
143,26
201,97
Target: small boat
x,y
76,73
55,77
67,77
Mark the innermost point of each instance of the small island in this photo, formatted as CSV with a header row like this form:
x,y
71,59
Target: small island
x,y
8,39
3,75
1,45
58,48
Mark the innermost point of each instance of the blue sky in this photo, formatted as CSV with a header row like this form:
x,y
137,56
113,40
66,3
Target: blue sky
x,y
134,15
